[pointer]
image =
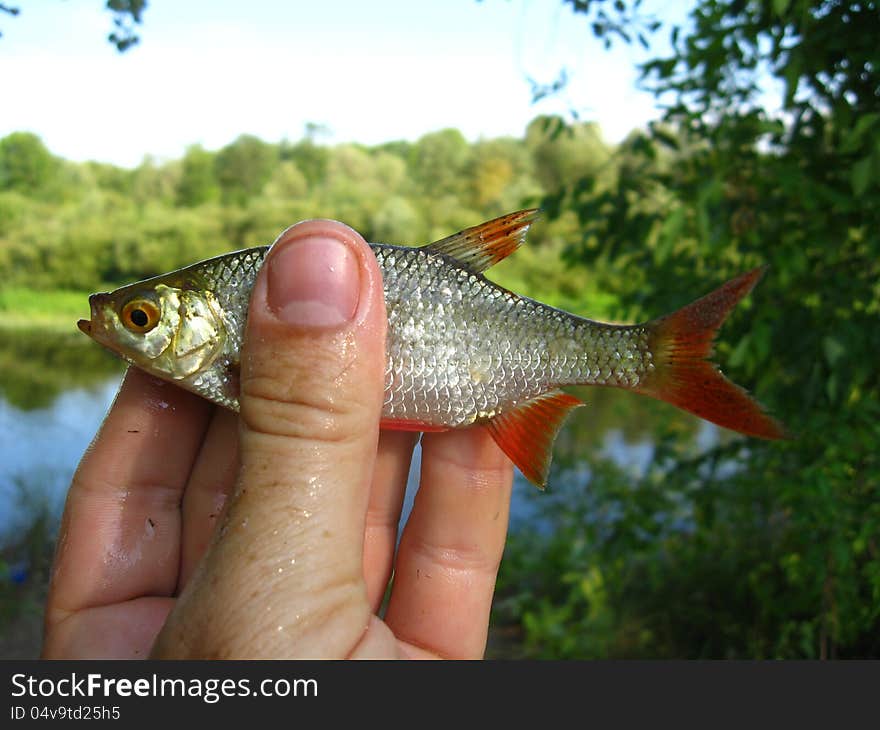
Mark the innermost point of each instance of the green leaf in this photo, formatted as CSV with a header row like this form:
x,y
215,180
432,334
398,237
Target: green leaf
x,y
762,337
780,6
792,73
670,234
831,387
740,352
665,137
833,350
853,139
861,174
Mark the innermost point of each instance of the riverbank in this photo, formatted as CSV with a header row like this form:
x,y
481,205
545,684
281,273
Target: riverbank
x,y
55,311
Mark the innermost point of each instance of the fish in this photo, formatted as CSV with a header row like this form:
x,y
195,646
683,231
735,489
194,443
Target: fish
x,y
460,349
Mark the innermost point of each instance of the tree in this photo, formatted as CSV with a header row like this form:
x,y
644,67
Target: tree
x,y
782,556
244,166
310,159
564,154
492,171
197,184
127,14
154,183
397,221
438,162
287,182
25,164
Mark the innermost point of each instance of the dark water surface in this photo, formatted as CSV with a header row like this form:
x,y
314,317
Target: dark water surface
x,y
55,391
40,450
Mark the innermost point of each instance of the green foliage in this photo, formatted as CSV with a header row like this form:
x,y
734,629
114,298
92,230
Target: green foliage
x,y
746,549
198,183
780,557
93,226
243,168
397,219
37,368
26,166
610,19
127,14
22,308
310,159
438,163
24,571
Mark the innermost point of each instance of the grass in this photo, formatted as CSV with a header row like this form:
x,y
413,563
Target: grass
x,y
55,311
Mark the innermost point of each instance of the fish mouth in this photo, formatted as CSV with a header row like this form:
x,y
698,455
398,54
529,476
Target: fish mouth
x,y
92,327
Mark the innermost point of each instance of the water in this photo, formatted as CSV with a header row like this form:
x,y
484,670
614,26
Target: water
x,y
57,390
40,450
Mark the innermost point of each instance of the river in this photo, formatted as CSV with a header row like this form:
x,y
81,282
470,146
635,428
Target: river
x,y
56,390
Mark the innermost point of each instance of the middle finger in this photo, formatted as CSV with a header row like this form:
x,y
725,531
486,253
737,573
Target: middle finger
x,y
209,485
383,511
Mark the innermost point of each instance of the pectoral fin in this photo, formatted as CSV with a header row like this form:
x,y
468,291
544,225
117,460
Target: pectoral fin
x,y
526,433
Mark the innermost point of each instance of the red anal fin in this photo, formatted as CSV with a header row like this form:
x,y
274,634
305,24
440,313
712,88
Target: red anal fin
x,y
390,424
526,433
680,344
484,245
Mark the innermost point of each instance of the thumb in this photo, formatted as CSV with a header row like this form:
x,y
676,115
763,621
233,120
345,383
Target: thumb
x,y
284,576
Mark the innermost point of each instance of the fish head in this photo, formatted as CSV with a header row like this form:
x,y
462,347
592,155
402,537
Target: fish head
x,y
170,331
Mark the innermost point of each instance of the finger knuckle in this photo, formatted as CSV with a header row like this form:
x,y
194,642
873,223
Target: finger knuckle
x,y
305,415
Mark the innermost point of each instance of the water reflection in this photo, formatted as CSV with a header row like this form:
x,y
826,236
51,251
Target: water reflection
x,y
56,390
37,367
41,448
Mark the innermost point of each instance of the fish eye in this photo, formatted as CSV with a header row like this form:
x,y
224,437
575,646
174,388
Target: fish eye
x,y
140,315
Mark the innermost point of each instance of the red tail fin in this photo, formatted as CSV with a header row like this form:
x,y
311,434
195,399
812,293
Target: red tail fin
x,y
681,342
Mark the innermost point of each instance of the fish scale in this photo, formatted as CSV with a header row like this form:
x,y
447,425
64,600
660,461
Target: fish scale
x,y
460,349
485,348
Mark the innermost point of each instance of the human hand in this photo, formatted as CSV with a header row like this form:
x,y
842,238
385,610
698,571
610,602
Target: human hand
x,y
306,490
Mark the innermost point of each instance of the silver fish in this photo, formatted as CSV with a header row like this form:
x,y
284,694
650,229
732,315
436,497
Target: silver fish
x,y
460,349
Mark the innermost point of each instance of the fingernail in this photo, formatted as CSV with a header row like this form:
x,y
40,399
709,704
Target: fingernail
x,y
314,282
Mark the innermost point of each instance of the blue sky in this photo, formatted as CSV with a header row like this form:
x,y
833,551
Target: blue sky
x,y
207,71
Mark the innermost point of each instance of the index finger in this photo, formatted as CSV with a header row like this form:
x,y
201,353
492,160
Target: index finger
x,y
120,533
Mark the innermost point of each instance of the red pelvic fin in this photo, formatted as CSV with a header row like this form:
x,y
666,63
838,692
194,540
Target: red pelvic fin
x,y
681,342
484,245
390,424
526,433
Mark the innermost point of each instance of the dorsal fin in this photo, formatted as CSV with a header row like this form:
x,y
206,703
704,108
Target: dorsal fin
x,y
527,432
482,246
